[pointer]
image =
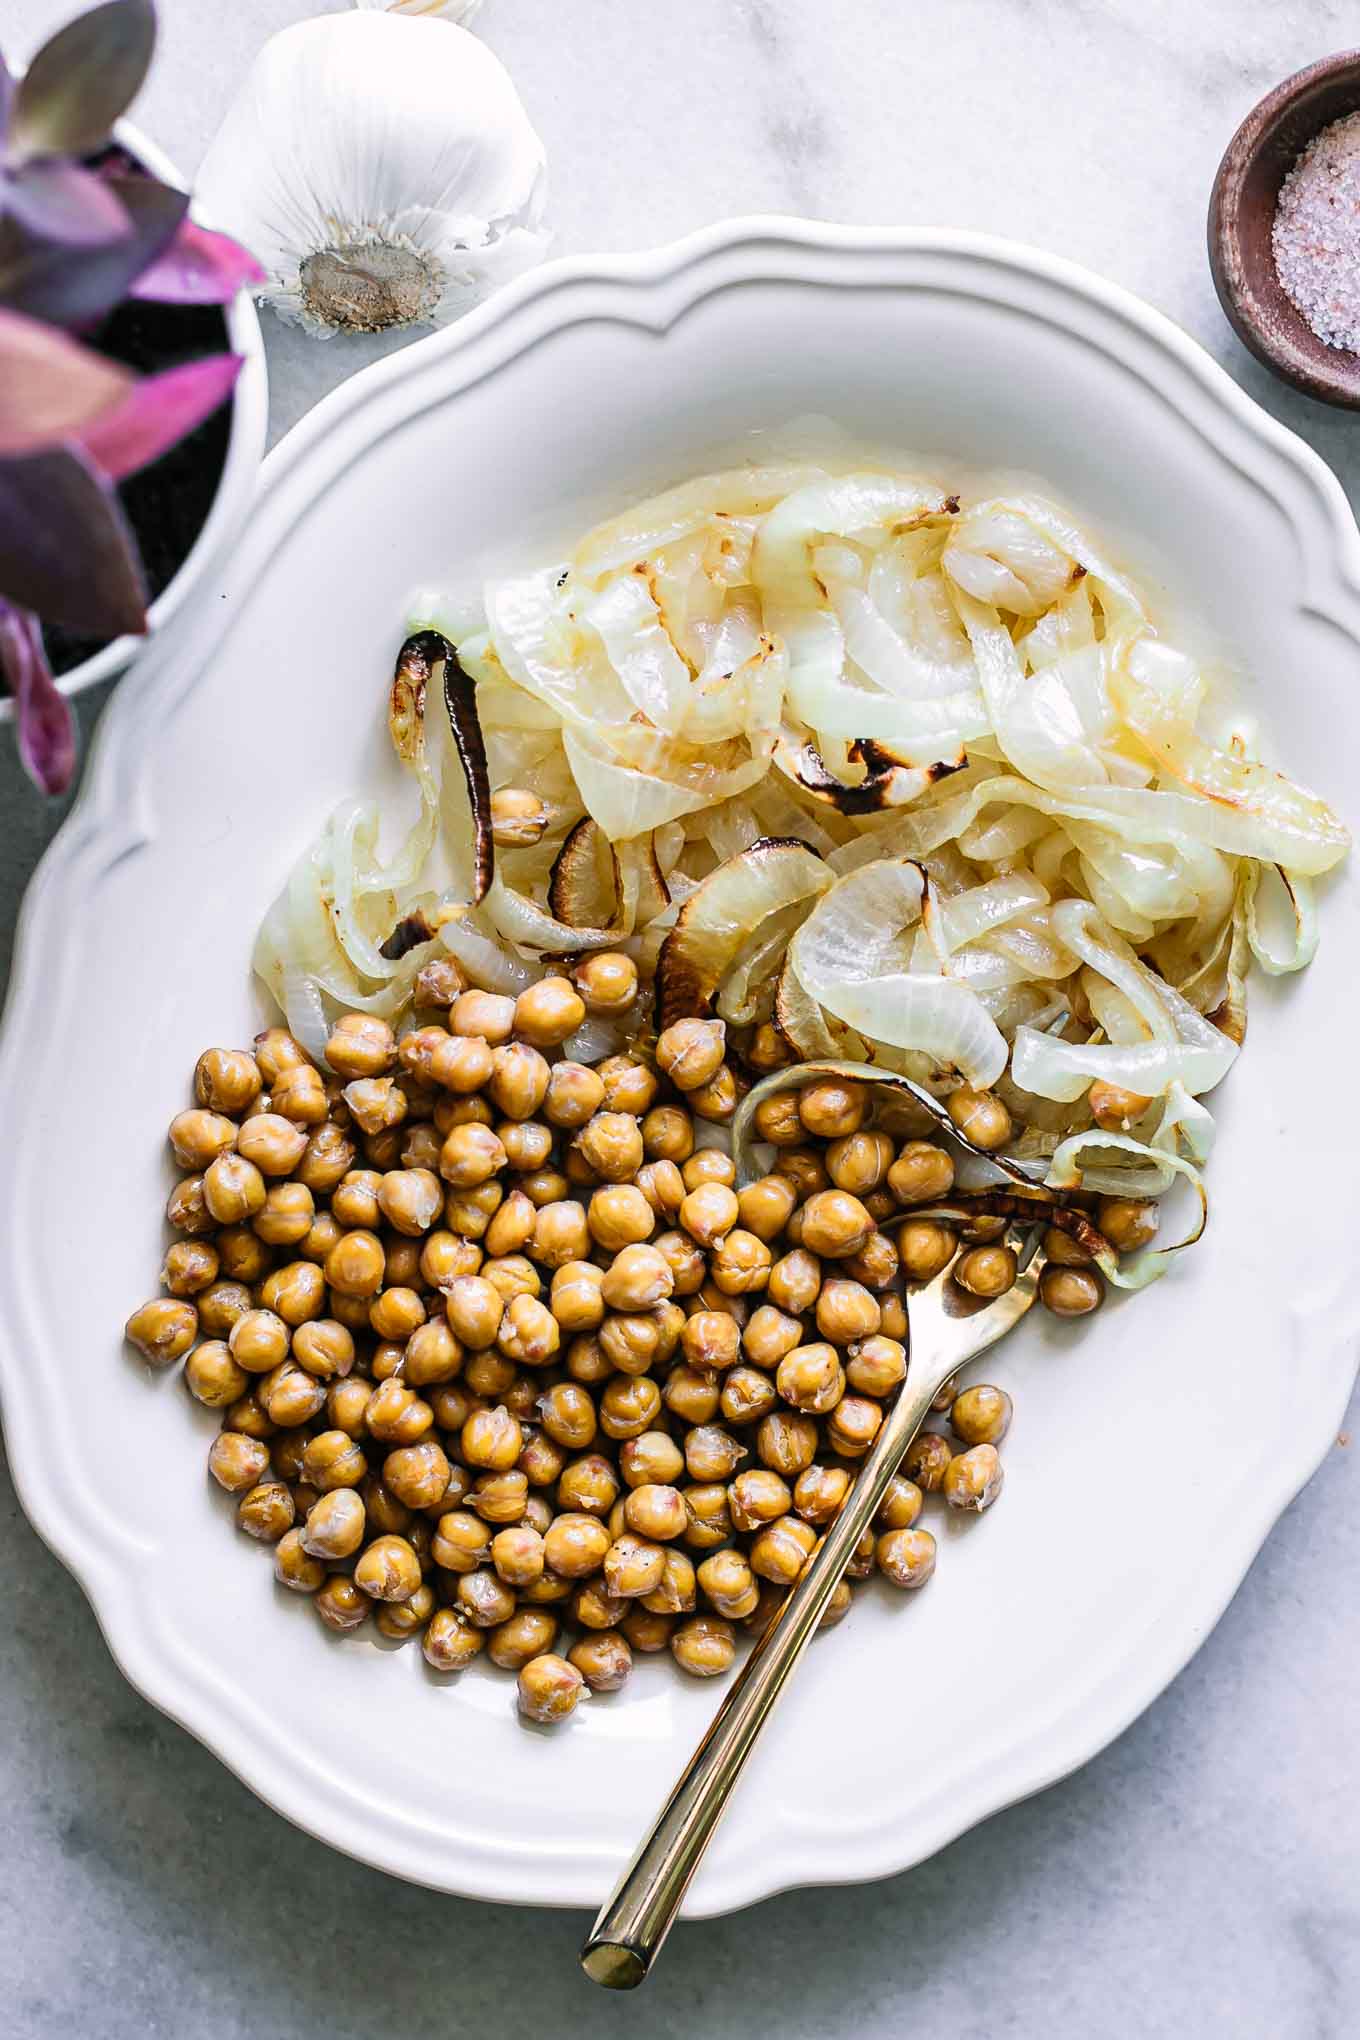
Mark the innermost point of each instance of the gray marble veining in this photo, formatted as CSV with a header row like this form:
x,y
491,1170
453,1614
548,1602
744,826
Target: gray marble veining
x,y
1201,1875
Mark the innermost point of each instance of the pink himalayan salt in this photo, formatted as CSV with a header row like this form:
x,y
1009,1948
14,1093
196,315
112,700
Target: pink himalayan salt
x,y
1316,236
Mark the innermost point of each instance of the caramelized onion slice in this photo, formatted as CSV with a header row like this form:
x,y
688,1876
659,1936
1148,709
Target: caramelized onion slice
x,y
724,913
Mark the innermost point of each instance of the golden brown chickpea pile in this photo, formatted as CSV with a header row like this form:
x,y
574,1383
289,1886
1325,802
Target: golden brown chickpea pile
x,y
505,1361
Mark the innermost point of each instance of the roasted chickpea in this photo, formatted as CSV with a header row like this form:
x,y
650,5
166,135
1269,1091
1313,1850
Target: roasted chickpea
x,y
703,1645
198,1137
567,1412
491,1438
811,1378
356,1264
925,1461
922,1174
361,1045
333,1460
611,1143
519,1079
644,1630
588,1486
981,1415
237,1462
294,1567
265,1512
709,1213
747,1393
529,1333
603,1660
451,1642
876,1366
631,1340
1062,1250
986,1271
637,1279
547,1012
162,1330
259,1341
417,1474
1071,1292
656,1511
1127,1222
982,1228
287,1215
233,1189
708,1165
690,1052
859,1162
523,1636
376,1104
575,1545
461,1541
711,1340
717,1099
277,1051
396,1415
295,1292
549,1688
728,1584
740,1263
401,1620
832,1107
321,1236
653,1458
819,1492
388,1570
875,1265
433,1355
781,1549
846,1312
248,1416
629,1086
853,1425
795,1281
500,1497
894,1309
226,1080
776,1120
685,1261
460,1109
607,981
186,1210
329,1156
574,1095
906,1557
575,1298
925,1248
629,1406
299,1094
980,1117
587,1361
764,1207
1113,1108
335,1525
756,1497
483,1016
290,1396
213,1377
528,1143
901,1505
973,1479
633,1566
461,1063
786,1442
438,983
340,1604
620,1216
676,1593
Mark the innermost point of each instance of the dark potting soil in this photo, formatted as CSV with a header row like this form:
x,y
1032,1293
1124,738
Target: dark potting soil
x,y
166,504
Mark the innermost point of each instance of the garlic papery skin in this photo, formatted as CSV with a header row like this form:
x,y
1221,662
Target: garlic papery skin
x,y
451,10
380,167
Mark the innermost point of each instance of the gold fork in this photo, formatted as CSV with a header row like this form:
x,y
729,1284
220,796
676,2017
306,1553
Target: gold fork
x,y
946,1329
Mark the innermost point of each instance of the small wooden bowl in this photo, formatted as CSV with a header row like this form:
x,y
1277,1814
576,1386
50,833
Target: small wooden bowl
x,y
1242,215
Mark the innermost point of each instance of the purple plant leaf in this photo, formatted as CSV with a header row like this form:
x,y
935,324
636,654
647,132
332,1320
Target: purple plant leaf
x,y
51,387
50,282
6,95
157,413
65,547
60,201
83,80
43,719
198,267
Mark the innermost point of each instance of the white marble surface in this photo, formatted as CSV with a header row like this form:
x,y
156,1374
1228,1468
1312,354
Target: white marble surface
x,y
1204,1873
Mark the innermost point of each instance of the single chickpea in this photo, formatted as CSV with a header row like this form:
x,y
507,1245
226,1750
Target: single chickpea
x,y
668,1134
340,1604
415,1049
276,1050
980,1117
711,1340
901,1504
545,1186
356,1265
470,1212
299,1094
832,1107
528,1143
611,1143
500,1497
285,1456
607,981
561,1234
387,1517
708,1165
1071,1292
876,1366
620,1216
450,1643
491,1438
265,1512
438,983
474,1310
574,1095
859,1162
388,1570
461,1063
973,1479
361,1045
633,1566
629,1406
329,1156
460,1109
654,1458
247,1416
575,1545
233,1189
690,1052
853,1425
637,1279
846,1312
518,1083
922,1174
186,1210
703,1645
644,1630
875,1265
294,1567
321,1236
982,1227
757,1497
376,1104
712,1453
396,1415
587,1361
588,1486
906,1557
162,1330
529,1333
471,1155
709,1213
776,1120
518,818
860,1564
728,1584
781,1549
401,1620
794,1284
1062,1250
656,1511
894,1309
631,1341
482,1016
547,1012
333,1459
461,1541
1127,1222
676,1593
335,1525
295,1292
418,1474
986,1271
567,1413
925,1461
1113,1109
259,1341
523,1636
517,1555
289,1396
805,1169
512,1227
685,1261
717,1099
819,1492
769,1334
549,1689
767,1049
925,1247
811,1378
198,1137
575,1298
236,1462
226,1080
764,1207
213,1377
740,1264
604,1661
981,1415
286,1216
835,1224
786,1442
748,1393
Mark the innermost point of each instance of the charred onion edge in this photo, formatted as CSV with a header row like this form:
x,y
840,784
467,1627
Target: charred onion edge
x,y
406,702
744,1142
460,699
890,781
573,868
408,934
682,992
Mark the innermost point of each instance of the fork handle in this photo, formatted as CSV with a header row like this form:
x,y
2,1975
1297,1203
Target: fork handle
x,y
635,1920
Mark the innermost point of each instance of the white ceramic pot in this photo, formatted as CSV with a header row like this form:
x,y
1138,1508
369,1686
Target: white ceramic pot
x,y
245,450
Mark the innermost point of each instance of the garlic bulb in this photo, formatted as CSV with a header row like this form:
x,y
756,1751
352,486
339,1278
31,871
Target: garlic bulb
x,y
378,166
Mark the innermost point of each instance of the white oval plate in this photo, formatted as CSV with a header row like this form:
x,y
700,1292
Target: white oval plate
x,y
1152,1450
